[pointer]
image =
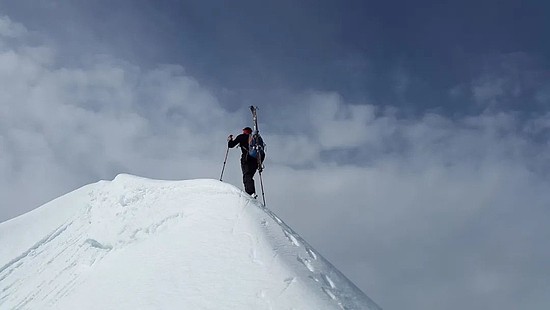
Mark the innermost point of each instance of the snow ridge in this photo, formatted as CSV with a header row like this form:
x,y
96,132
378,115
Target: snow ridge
x,y
148,244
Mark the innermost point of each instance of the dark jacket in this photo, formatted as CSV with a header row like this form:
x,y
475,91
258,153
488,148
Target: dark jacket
x,y
242,141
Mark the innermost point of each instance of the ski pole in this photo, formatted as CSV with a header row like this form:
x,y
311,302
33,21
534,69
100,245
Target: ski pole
x,y
260,169
224,161
262,186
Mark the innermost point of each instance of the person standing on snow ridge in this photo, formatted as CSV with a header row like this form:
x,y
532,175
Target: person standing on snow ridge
x,y
249,164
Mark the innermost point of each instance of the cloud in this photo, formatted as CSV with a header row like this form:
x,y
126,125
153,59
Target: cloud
x,y
514,80
10,29
449,212
67,126
440,204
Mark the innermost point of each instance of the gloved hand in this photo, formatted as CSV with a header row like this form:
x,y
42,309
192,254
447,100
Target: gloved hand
x,y
230,138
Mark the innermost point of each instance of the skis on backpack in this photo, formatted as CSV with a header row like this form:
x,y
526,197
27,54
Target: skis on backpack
x,y
254,118
259,147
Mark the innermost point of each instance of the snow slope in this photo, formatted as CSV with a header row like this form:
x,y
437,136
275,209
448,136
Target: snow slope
x,y
135,243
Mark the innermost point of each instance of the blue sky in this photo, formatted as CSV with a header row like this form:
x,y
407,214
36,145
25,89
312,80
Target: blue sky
x,y
400,53
419,130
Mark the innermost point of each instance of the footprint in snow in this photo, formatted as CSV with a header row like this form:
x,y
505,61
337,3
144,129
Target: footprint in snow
x,y
95,244
311,253
329,293
306,263
292,238
277,219
313,278
288,282
328,280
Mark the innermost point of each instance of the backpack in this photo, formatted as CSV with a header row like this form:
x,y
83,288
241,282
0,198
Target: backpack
x,y
256,146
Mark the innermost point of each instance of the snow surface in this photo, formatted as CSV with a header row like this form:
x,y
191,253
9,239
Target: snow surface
x,y
135,243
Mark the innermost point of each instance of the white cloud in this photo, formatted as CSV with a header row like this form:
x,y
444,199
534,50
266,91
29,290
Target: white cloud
x,y
410,196
339,125
10,29
66,126
509,80
435,190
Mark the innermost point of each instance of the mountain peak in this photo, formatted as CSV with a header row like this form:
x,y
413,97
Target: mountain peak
x,y
136,243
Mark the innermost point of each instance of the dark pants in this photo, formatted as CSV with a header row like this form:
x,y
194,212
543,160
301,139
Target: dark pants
x,y
249,165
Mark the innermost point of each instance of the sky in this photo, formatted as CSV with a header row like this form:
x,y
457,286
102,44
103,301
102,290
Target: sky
x,y
419,130
191,244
